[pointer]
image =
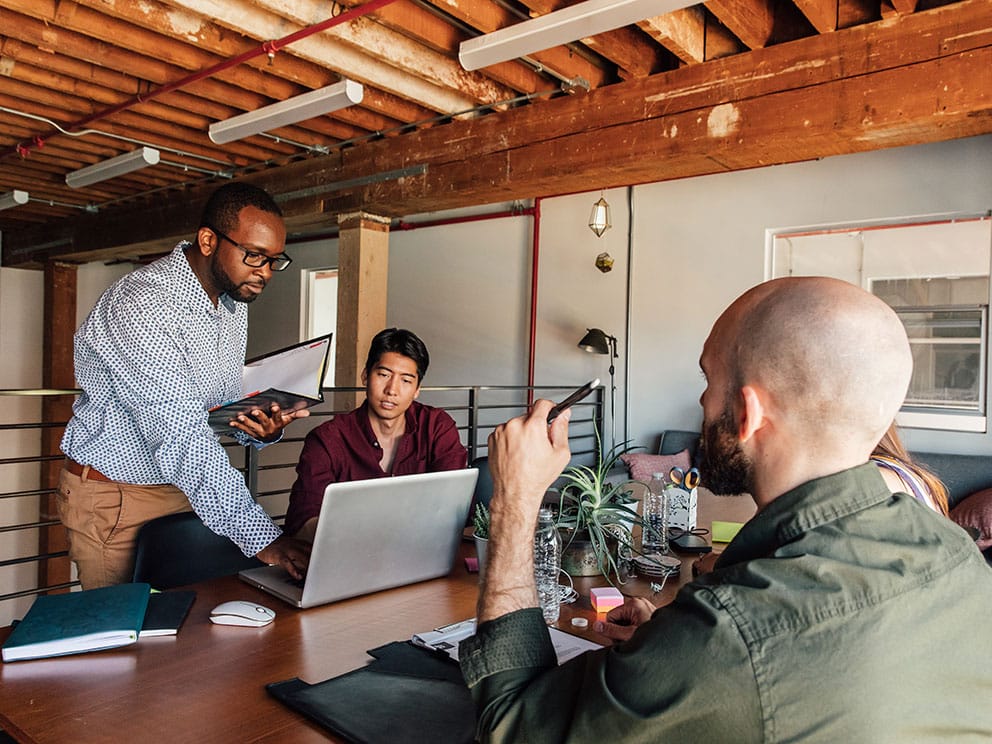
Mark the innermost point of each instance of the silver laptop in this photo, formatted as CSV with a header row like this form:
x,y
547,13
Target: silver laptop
x,y
376,534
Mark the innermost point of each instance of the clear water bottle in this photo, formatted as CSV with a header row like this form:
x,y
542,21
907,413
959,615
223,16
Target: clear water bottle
x,y
547,561
655,540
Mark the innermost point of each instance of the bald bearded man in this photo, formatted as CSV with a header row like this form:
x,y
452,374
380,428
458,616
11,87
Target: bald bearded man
x,y
840,612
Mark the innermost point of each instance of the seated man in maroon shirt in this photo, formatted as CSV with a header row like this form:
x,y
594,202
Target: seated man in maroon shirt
x,y
389,434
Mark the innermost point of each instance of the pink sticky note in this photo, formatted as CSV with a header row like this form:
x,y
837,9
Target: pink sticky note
x,y
605,598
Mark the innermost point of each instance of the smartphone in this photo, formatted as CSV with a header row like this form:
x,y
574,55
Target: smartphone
x,y
572,399
690,543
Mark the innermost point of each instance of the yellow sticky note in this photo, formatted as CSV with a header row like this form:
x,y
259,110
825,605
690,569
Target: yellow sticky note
x,y
724,532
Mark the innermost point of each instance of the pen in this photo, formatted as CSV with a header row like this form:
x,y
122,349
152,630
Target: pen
x,y
448,627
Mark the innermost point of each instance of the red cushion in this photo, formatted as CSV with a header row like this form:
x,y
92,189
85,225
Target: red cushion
x,y
641,467
976,511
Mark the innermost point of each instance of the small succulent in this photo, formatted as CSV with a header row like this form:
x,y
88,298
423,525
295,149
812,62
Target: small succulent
x,y
480,521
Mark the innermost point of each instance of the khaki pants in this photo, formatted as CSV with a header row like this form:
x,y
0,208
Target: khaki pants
x,y
102,519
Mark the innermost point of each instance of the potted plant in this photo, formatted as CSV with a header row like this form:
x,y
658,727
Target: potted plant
x,y
480,533
597,518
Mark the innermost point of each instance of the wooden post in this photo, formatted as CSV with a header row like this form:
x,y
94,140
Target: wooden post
x,y
363,270
57,372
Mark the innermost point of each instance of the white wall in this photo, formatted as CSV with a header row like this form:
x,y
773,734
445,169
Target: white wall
x,y
696,245
700,242
465,289
573,296
274,318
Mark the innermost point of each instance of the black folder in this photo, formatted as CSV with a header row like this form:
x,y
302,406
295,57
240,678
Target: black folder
x,y
407,695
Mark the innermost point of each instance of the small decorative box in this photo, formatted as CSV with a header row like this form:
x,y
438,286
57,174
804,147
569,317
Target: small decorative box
x,y
605,598
681,508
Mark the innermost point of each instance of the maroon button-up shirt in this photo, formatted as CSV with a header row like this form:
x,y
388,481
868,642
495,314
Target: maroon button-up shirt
x,y
345,449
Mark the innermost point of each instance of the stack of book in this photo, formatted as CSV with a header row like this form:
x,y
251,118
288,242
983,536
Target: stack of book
x,y
94,620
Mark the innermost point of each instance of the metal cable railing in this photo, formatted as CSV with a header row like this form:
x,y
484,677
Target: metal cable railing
x,y
269,472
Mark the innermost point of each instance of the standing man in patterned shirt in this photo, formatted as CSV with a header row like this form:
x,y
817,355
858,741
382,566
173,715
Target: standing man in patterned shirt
x,y
161,347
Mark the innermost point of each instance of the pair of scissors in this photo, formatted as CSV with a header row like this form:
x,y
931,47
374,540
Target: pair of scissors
x,y
687,479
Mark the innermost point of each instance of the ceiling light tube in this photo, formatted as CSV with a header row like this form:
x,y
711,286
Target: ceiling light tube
x,y
560,27
13,199
298,108
126,163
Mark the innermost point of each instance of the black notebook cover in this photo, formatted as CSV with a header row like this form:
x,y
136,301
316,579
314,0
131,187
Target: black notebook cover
x,y
421,699
166,613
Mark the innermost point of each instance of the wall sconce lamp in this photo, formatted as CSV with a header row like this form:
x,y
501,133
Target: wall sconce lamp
x,y
13,199
599,218
118,166
597,342
298,108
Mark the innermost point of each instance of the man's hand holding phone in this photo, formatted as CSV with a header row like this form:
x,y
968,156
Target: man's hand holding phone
x,y
572,399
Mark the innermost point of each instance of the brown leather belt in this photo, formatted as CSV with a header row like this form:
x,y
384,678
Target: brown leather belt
x,y
91,473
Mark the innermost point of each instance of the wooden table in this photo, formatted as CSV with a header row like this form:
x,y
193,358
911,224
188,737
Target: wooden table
x,y
208,683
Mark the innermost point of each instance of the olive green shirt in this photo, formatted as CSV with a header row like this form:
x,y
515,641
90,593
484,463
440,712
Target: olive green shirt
x,y
840,613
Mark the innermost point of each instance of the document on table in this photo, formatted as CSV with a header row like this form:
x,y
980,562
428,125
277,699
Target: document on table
x,y
447,638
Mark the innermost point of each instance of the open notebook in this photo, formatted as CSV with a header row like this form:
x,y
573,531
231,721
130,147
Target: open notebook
x,y
376,534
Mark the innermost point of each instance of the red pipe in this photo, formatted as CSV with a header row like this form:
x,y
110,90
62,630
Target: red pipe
x,y
267,48
535,255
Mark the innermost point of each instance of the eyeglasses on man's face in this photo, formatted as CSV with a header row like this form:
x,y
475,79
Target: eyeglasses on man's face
x,y
254,258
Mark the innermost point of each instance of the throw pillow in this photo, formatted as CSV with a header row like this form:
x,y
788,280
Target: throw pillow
x,y
641,467
976,511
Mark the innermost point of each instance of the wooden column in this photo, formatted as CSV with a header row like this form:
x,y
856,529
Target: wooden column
x,y
58,373
363,269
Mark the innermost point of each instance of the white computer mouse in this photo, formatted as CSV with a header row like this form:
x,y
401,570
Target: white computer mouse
x,y
242,612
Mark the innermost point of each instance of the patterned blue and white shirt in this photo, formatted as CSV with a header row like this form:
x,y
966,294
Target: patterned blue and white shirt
x,y
152,357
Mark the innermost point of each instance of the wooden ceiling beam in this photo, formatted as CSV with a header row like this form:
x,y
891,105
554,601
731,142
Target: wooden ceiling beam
x,y
759,23
911,79
487,16
84,50
897,7
259,81
786,127
416,22
199,97
855,12
373,55
830,15
692,35
633,52
135,126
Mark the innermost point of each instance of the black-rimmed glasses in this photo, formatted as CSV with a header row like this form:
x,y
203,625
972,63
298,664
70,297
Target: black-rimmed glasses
x,y
254,258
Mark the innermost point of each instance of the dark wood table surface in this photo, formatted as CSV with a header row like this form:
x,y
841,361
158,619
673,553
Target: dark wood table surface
x,y
207,684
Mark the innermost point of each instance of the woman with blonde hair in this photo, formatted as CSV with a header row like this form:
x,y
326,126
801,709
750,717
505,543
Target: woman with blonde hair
x,y
902,474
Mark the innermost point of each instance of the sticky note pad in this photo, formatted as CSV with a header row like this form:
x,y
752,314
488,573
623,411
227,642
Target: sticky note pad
x,y
605,598
724,532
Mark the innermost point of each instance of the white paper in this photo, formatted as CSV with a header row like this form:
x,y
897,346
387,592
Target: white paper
x,y
447,638
299,370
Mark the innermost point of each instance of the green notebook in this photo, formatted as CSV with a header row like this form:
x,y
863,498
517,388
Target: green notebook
x,y
73,623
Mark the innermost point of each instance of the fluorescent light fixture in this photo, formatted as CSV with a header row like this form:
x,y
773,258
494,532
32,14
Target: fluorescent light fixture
x,y
560,27
298,108
126,163
13,199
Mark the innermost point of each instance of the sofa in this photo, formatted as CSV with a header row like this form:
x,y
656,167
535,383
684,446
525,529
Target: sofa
x,y
968,479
